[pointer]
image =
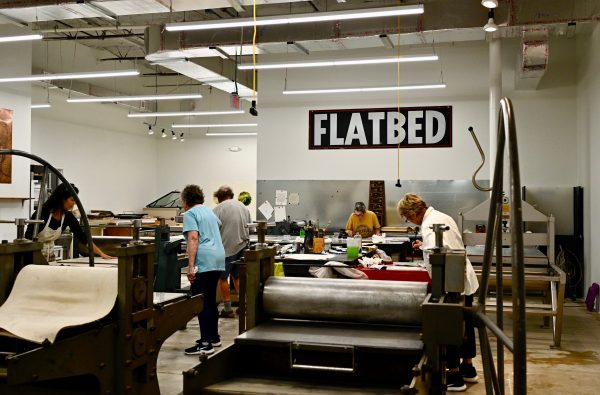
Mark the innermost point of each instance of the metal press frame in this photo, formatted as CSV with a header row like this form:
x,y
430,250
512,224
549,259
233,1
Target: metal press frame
x,y
494,382
48,166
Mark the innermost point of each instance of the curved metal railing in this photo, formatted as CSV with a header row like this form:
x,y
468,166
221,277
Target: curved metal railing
x,y
495,379
48,166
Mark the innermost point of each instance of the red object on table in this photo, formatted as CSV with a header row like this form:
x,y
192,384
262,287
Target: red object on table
x,y
397,275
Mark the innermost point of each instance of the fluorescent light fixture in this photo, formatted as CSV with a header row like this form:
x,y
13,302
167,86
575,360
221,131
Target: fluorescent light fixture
x,y
489,3
27,37
134,98
340,62
298,18
72,76
182,114
370,89
215,125
232,134
44,105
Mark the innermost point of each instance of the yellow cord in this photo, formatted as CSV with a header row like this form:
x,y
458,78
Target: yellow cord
x,y
254,52
398,92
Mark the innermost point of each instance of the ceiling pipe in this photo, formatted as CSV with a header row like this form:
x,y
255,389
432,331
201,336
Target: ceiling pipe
x,y
92,29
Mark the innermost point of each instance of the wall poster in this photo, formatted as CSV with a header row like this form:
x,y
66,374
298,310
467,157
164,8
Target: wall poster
x,y
6,118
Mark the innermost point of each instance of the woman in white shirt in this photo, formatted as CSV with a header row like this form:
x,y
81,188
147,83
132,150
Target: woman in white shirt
x,y
415,210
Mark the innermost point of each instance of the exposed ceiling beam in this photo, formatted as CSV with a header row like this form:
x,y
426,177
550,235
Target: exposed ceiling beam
x,y
237,5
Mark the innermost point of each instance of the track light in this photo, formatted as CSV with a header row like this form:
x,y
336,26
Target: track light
x,y
27,37
163,134
112,99
150,131
181,138
72,76
340,62
490,26
173,136
181,114
489,3
297,18
362,90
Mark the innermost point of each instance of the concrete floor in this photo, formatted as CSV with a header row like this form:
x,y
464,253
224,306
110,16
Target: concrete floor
x,y
572,369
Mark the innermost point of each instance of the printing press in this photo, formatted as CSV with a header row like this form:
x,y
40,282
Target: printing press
x,y
337,335
84,330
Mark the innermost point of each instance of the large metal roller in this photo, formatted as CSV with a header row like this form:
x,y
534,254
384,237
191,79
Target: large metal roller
x,y
366,301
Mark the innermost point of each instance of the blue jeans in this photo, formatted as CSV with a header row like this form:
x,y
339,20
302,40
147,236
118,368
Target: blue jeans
x,y
230,268
206,283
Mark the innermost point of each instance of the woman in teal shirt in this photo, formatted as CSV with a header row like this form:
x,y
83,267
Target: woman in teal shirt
x,y
206,261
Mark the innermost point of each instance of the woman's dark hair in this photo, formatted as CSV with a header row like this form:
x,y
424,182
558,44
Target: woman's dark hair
x,y
58,196
192,195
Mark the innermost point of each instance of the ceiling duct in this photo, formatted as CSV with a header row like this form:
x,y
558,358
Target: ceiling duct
x,y
533,58
216,71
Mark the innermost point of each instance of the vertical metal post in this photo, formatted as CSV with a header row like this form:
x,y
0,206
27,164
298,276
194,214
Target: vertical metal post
x,y
500,299
41,201
495,94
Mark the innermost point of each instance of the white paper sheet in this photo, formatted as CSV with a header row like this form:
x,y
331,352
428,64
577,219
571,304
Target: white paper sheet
x,y
266,209
294,198
280,214
281,197
46,299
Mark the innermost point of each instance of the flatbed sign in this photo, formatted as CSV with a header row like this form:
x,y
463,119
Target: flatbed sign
x,y
418,127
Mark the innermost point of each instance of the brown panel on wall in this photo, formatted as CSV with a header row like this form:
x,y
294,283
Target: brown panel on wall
x,y
377,200
6,117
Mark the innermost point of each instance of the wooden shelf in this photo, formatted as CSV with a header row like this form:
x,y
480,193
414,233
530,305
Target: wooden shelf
x,y
14,199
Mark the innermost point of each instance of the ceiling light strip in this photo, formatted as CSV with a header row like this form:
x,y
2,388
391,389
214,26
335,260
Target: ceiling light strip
x,y
106,99
298,18
44,105
369,89
182,114
337,62
231,134
72,76
26,37
217,125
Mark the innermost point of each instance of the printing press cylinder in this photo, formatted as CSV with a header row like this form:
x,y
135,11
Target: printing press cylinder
x,y
365,301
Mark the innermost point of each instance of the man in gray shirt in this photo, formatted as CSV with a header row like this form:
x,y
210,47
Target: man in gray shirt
x,y
234,216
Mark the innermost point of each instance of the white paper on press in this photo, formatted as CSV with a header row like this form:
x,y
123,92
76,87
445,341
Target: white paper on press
x,y
266,209
280,214
294,198
281,197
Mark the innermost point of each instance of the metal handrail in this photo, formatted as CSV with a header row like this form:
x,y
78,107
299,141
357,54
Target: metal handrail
x,y
84,218
506,131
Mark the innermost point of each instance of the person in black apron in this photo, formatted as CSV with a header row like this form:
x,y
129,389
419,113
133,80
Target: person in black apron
x,y
57,216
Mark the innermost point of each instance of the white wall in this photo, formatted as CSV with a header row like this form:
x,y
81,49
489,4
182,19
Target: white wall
x,y
16,61
109,157
545,118
207,162
588,124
